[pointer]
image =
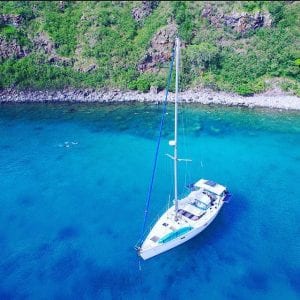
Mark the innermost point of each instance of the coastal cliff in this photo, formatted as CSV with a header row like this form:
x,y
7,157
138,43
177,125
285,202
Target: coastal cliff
x,y
240,47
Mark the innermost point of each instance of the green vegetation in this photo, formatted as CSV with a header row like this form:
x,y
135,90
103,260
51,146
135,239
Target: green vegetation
x,y
10,33
32,72
62,25
183,19
104,45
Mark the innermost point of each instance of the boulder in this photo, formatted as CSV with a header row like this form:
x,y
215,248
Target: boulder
x,y
153,89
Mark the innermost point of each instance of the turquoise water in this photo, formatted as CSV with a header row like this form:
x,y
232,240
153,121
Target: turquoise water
x,y
74,179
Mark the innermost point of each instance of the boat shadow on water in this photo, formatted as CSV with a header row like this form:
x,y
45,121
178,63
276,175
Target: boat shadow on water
x,y
221,228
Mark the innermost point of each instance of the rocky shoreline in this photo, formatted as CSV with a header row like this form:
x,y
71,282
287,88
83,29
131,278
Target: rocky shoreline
x,y
274,99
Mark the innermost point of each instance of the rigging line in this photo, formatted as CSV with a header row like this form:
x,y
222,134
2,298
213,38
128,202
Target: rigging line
x,y
184,141
187,175
168,167
158,144
187,123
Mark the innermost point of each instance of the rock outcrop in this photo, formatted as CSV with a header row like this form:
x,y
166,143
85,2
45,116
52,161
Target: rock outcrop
x,y
240,22
43,43
11,49
142,11
9,19
160,49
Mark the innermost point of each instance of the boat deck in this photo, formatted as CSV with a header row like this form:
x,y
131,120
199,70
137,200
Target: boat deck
x,y
194,211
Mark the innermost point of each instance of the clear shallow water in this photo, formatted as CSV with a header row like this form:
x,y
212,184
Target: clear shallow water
x,y
73,184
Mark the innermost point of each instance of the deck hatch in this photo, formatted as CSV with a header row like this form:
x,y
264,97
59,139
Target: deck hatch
x,y
210,183
154,239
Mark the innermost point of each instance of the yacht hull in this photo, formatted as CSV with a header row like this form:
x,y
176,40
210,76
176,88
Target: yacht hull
x,y
161,248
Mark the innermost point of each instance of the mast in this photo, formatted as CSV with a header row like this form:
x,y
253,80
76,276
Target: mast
x,y
175,126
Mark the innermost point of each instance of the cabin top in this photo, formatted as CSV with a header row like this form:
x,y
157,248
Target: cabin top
x,y
210,186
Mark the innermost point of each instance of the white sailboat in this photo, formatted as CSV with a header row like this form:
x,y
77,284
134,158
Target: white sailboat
x,y
189,216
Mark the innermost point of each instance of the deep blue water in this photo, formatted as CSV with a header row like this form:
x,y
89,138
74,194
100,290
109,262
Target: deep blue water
x,y
73,182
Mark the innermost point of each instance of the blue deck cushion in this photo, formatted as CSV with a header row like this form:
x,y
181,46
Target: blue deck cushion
x,y
173,235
